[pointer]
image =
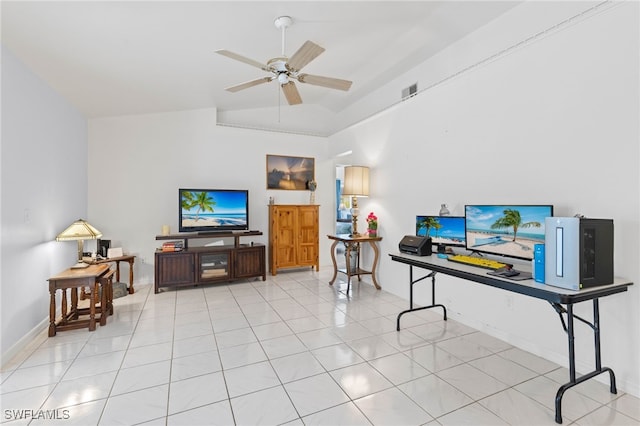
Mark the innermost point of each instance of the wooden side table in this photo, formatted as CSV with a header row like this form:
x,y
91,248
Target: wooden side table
x,y
94,277
352,244
126,258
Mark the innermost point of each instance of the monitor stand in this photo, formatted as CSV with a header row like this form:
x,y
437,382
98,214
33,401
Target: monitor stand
x,y
443,248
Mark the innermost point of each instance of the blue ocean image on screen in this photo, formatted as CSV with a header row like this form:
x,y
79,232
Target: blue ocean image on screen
x,y
481,218
229,208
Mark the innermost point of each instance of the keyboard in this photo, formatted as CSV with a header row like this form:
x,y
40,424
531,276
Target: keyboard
x,y
477,261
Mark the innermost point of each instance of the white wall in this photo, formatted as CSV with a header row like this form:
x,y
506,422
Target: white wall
x,y
554,121
137,164
44,189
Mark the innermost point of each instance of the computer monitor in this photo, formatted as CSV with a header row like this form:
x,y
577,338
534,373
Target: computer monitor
x,y
445,231
505,230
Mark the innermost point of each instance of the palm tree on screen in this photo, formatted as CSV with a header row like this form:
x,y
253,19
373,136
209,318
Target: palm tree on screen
x,y
187,200
513,220
430,222
202,201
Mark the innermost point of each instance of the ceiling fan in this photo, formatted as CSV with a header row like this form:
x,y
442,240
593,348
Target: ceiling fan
x,y
287,70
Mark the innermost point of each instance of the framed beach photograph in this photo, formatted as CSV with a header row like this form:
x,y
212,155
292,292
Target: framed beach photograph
x,y
289,173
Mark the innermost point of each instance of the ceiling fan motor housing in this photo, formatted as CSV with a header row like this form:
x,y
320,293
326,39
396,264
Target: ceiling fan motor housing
x,y
278,64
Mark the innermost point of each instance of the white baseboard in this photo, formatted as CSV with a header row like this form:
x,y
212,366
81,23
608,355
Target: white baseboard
x,y
29,339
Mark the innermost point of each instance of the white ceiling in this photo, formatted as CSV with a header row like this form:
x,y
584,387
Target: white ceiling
x,y
116,58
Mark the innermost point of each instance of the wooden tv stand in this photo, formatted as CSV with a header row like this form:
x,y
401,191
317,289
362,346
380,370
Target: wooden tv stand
x,y
209,264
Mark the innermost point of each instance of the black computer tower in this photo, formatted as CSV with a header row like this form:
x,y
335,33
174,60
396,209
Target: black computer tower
x,y
102,247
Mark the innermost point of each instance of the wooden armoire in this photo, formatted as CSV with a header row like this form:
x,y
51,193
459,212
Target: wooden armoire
x,y
293,236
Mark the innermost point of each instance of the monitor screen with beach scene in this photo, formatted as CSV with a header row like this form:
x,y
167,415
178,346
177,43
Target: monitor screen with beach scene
x,y
213,210
505,230
445,231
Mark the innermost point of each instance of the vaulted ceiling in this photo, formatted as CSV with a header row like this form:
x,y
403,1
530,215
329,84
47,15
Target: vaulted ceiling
x,y
112,58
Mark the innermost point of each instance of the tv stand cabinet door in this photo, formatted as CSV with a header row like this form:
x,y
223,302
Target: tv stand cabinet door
x,y
174,269
250,262
214,266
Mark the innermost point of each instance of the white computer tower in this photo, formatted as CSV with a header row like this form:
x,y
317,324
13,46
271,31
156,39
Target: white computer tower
x,y
578,252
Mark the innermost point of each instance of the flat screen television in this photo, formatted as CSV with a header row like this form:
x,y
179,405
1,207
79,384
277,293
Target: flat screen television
x,y
445,231
213,210
505,230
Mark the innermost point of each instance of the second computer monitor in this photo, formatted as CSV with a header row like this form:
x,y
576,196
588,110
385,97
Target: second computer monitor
x,y
445,231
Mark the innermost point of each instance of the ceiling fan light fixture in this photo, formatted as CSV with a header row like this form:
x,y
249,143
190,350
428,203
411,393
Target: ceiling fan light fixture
x,y
283,78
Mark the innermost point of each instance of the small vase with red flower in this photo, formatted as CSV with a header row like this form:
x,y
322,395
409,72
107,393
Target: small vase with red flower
x,y
372,225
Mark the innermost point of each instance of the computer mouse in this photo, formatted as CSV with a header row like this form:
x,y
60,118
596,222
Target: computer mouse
x,y
510,273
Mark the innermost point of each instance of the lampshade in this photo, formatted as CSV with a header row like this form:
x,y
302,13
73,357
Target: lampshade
x,y
79,230
356,181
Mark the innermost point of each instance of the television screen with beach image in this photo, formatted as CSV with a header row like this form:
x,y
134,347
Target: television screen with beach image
x,y
506,230
205,210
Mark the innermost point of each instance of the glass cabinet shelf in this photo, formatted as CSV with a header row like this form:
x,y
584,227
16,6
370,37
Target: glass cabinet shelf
x,y
214,266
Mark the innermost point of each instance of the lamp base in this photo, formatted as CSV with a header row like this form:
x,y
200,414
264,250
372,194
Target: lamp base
x,y
80,265
354,217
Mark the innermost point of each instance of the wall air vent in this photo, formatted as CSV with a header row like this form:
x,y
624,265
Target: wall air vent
x,y
410,91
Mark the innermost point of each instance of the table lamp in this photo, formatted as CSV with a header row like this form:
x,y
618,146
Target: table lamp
x,y
79,230
356,184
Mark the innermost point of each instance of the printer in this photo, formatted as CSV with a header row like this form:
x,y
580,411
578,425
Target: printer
x,y
418,246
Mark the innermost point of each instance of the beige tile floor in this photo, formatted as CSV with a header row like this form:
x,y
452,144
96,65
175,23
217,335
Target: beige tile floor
x,y
290,350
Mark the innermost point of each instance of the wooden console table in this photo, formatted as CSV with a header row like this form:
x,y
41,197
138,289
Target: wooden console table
x,y
117,260
352,243
94,277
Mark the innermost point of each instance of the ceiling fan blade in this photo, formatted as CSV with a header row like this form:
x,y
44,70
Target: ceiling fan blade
x,y
241,58
291,93
331,83
307,53
248,84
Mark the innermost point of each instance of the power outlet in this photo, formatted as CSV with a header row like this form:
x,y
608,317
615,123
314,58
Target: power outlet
x,y
509,301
